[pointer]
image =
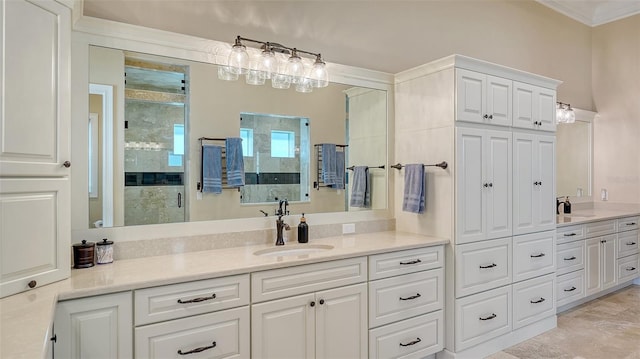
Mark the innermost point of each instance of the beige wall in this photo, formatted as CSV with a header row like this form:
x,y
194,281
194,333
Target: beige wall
x,y
616,94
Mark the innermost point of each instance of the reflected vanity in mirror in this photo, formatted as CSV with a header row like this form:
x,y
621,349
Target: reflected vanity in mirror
x,y
575,156
145,156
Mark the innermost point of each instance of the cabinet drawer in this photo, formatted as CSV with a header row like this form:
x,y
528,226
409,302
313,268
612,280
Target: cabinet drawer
x,y
570,287
412,338
570,257
482,265
222,334
482,316
627,243
403,262
398,298
570,233
601,228
533,255
285,282
627,268
627,223
533,299
181,300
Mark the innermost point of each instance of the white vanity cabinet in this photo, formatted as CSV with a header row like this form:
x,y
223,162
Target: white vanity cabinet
x,y
601,264
310,311
483,184
95,327
533,183
534,107
34,144
483,98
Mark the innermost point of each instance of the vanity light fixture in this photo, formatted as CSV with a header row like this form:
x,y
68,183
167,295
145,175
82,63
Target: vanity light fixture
x,y
564,113
266,66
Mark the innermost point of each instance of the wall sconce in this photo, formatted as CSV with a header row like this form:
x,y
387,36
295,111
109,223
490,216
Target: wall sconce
x,y
564,113
266,66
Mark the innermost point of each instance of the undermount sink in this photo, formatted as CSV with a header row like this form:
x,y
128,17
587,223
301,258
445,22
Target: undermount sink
x,y
293,250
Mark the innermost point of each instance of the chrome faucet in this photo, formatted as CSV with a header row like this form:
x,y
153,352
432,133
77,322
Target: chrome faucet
x,y
280,224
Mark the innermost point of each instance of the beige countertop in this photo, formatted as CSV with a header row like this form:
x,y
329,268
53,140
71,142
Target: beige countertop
x,y
25,318
594,215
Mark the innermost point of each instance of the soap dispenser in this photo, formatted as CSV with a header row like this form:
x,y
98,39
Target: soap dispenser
x,y
567,205
303,230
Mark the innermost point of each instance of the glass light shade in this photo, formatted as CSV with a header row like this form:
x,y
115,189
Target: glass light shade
x,y
318,75
267,64
304,86
559,115
295,69
224,73
280,81
238,59
253,76
570,116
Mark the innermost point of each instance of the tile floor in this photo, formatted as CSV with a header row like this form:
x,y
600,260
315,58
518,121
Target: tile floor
x,y
604,328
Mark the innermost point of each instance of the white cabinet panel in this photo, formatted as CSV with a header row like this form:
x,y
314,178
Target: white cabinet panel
x,y
482,98
570,257
217,335
483,265
95,327
34,227
499,100
570,287
627,224
482,316
628,268
534,107
405,262
34,131
412,338
601,228
533,300
601,268
628,243
533,255
570,234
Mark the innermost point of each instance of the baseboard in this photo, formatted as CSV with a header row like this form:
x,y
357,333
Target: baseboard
x,y
502,342
595,296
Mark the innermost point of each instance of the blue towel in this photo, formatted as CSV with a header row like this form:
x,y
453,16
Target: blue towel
x,y
329,163
360,190
339,171
414,196
211,169
235,162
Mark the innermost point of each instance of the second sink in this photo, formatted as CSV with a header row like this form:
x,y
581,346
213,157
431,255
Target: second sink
x,y
293,250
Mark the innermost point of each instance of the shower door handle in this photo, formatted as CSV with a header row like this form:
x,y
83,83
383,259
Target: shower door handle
x,y
179,200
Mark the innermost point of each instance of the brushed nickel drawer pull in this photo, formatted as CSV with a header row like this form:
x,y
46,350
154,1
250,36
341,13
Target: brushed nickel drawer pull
x,y
631,268
631,224
411,262
489,266
418,340
569,234
537,301
570,289
411,297
493,315
197,350
631,243
537,255
570,258
197,300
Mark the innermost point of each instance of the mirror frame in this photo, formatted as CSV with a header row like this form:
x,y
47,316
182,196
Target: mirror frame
x,y
88,31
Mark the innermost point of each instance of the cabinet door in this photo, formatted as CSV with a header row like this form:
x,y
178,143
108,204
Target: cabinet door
x,y
499,101
341,323
545,199
545,102
95,327
609,265
497,169
34,113
284,328
470,190
594,266
524,189
470,96
523,105
34,227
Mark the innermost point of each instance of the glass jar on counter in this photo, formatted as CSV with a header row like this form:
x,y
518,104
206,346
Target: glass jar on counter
x,y
105,251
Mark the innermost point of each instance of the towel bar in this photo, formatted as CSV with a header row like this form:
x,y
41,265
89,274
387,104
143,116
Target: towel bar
x,y
380,167
442,165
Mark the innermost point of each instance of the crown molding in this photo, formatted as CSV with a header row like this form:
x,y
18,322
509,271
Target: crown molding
x,y
594,13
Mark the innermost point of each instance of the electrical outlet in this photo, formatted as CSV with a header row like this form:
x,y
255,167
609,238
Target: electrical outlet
x,y
348,228
198,195
604,194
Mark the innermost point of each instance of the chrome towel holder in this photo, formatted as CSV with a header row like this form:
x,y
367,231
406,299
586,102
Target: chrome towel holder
x,y
442,165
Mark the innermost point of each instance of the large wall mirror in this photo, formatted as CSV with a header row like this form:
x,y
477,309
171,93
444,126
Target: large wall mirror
x,y
150,115
575,156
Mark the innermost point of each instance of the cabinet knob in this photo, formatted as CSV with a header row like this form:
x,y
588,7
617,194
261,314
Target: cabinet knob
x,y
491,117
490,184
312,304
66,164
54,338
321,301
32,284
485,185
603,241
485,117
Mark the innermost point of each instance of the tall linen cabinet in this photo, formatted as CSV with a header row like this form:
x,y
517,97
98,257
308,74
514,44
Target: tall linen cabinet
x,y
495,127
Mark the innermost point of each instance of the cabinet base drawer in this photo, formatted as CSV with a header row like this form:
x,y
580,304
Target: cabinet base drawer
x,y
482,316
483,265
412,338
628,243
570,257
222,334
569,287
627,268
533,300
401,297
533,255
628,223
570,233
403,262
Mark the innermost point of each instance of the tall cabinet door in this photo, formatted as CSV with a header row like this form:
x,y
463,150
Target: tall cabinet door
x,y
470,96
470,190
284,328
499,100
593,264
609,265
35,111
497,168
341,323
546,178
